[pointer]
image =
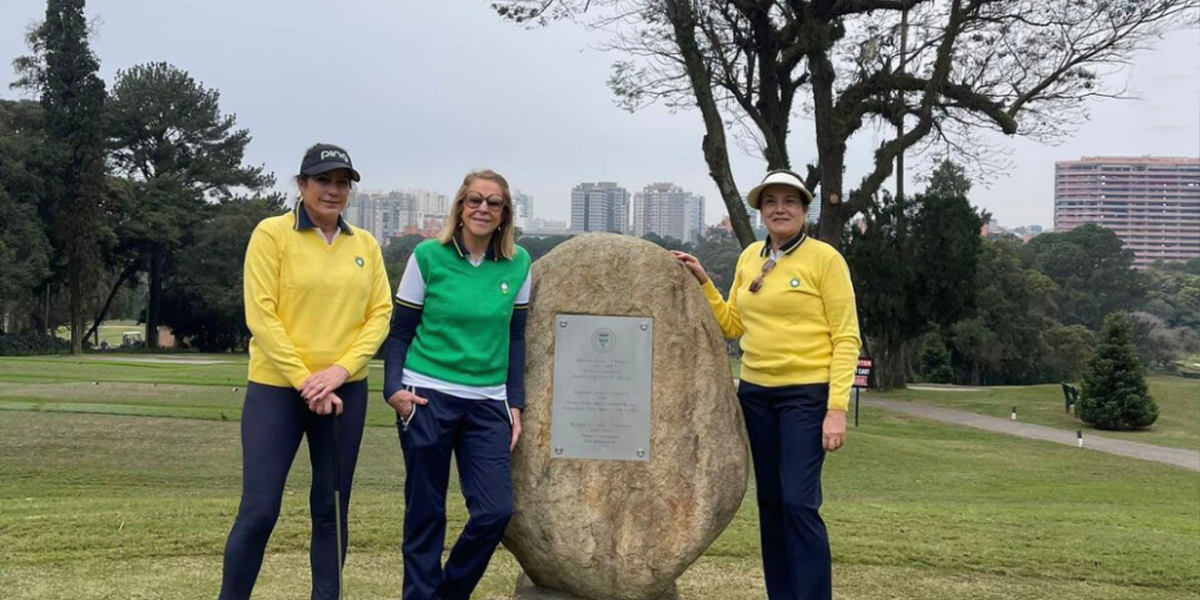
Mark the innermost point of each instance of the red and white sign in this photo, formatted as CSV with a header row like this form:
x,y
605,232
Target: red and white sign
x,y
862,374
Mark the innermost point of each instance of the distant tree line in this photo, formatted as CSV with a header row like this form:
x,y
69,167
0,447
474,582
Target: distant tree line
x,y
128,202
939,303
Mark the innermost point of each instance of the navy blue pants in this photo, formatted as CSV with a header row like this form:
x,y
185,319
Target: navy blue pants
x,y
478,432
784,426
273,421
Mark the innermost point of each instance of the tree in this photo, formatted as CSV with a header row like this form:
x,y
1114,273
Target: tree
x,y
911,260
538,247
25,251
949,179
935,361
1174,294
936,71
396,253
1114,394
1068,348
204,305
1092,269
666,242
719,253
947,243
1158,344
63,70
1001,341
168,136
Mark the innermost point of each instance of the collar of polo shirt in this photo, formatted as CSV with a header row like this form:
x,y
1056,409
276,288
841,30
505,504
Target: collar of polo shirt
x,y
303,222
461,248
787,248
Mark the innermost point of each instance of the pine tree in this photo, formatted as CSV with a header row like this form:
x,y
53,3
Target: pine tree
x,y
1114,394
171,141
62,69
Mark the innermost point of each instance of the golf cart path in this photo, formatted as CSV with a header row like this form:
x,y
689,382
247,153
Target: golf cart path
x,y
1187,459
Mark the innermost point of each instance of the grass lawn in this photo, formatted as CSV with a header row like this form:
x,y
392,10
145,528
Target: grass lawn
x,y
119,506
1178,402
1189,365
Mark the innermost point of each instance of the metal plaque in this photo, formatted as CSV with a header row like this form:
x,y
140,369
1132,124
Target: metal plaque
x,y
602,370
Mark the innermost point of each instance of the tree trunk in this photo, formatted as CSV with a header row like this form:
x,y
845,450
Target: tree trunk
x,y
716,150
152,302
831,150
125,275
75,302
890,365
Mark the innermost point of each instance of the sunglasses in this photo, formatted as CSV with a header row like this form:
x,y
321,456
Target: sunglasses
x,y
495,202
758,281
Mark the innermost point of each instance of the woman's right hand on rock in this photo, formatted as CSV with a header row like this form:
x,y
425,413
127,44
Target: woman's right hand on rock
x,y
693,264
403,402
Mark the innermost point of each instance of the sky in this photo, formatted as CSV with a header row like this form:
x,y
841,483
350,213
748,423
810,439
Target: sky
x,y
420,93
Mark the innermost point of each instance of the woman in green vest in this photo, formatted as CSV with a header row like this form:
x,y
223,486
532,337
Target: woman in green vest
x,y
454,373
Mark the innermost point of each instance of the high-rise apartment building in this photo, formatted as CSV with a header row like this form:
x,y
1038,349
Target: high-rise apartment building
x,y
392,214
669,211
1151,203
814,209
602,206
522,210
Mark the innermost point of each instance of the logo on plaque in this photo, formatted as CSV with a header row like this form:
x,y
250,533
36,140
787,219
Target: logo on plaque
x,y
604,340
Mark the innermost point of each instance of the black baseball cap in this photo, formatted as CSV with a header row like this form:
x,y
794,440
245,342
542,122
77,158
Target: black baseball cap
x,y
323,158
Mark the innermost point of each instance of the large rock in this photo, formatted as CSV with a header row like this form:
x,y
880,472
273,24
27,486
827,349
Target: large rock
x,y
625,530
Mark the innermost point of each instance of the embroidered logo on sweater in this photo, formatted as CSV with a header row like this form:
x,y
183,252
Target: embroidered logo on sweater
x,y
504,288
358,260
795,282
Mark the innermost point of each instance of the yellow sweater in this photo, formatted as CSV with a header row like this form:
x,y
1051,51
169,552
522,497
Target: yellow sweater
x,y
311,305
801,327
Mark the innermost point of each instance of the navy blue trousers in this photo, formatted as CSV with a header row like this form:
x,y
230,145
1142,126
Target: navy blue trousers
x,y
273,421
478,432
784,426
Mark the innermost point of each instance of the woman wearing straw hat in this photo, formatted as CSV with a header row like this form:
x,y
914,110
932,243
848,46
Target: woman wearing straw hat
x,y
792,304
318,305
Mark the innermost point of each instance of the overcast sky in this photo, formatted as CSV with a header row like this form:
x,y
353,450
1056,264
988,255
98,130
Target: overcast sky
x,y
422,92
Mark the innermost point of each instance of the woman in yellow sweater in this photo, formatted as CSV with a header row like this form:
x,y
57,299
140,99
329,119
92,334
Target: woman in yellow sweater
x,y
318,304
792,304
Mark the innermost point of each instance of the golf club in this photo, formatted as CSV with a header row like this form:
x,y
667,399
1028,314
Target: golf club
x,y
337,494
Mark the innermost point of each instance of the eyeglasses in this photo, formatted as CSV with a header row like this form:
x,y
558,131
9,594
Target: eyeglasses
x,y
758,281
495,202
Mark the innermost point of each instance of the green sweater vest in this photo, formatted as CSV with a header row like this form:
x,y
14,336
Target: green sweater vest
x,y
463,337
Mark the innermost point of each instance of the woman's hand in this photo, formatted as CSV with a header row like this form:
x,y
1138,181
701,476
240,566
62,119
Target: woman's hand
x,y
516,429
833,431
693,264
404,402
323,382
329,403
